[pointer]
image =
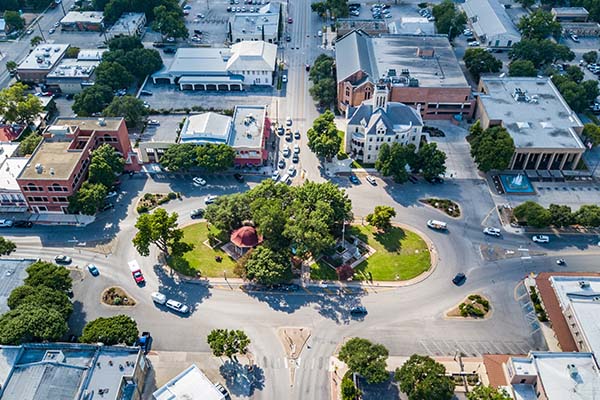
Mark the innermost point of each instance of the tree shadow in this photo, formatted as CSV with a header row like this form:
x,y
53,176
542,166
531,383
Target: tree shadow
x,y
391,240
242,380
386,390
190,292
77,319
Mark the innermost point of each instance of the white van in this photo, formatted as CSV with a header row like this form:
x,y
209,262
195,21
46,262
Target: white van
x,y
439,225
158,298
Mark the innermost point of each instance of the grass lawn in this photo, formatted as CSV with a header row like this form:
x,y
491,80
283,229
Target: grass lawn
x,y
202,257
399,253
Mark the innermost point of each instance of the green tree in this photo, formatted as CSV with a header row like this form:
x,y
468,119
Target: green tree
x,y
41,296
6,246
114,9
488,393
267,267
11,66
323,137
577,95
229,212
422,378
43,273
113,75
590,57
526,3
16,105
35,41
574,73
393,160
448,19
92,100
139,62
532,214
270,214
492,149
120,329
14,21
215,157
539,25
366,359
179,157
592,132
31,323
323,67
348,388
324,91
128,107
522,68
228,342
540,52
101,173
480,61
320,8
431,160
588,215
381,216
560,215
159,228
72,52
88,199
126,43
111,156
169,24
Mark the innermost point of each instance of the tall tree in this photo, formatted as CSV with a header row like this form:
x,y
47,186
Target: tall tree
x,y
592,132
431,160
16,105
540,52
11,66
42,273
588,215
532,214
393,160
6,246
488,393
41,296
493,149
266,267
126,43
323,139
92,100
111,156
480,61
365,358
422,378
539,25
14,21
229,212
561,215
179,157
228,342
35,41
522,68
138,61
31,323
449,19
381,216
169,23
119,329
113,75
215,157
129,107
88,199
159,228
590,57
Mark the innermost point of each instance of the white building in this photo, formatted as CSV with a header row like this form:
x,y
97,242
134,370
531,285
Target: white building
x,y
377,121
254,26
243,64
491,24
74,75
128,24
191,384
11,197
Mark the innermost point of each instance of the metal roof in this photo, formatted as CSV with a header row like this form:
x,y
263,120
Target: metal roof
x,y
208,127
489,18
12,275
190,384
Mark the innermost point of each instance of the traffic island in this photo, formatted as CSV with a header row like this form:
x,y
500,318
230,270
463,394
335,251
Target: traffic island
x,y
447,206
293,340
474,306
116,296
152,200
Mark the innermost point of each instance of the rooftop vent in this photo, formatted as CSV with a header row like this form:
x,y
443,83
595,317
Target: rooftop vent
x,y
391,72
39,168
405,72
101,122
51,171
54,355
572,370
584,284
520,95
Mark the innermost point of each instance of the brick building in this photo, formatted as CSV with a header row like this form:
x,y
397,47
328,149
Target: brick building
x,y
420,70
59,165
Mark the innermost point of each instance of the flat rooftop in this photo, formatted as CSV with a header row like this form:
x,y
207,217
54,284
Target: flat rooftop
x,y
72,17
190,61
103,124
540,118
10,170
12,275
55,158
254,23
582,294
191,384
388,56
208,127
572,376
44,57
248,127
91,54
570,11
69,68
127,23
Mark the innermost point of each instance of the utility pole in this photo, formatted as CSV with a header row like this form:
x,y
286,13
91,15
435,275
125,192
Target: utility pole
x,y
41,32
63,7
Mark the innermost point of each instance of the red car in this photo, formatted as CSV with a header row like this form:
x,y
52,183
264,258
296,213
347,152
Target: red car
x,y
136,272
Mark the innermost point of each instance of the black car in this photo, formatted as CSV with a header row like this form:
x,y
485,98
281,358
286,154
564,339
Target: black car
x,y
108,206
459,279
69,96
359,310
170,50
288,38
146,93
198,32
158,45
23,224
62,259
281,164
413,179
295,158
197,213
238,177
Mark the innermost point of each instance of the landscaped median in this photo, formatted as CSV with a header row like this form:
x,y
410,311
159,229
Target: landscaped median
x,y
396,255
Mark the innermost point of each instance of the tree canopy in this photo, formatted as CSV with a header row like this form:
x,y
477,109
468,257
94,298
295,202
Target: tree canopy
x,y
488,393
522,68
492,149
125,43
140,62
43,273
6,246
169,23
532,214
179,157
113,75
159,228
214,157
393,160
449,19
92,100
539,25
106,163
336,8
592,132
540,52
31,323
578,95
16,105
480,61
120,329
41,296
365,358
430,160
322,75
267,267
228,342
323,138
89,198
422,378
590,57
381,216
14,21
128,107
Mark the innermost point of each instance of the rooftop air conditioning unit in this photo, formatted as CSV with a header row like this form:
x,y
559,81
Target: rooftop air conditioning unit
x,y
584,284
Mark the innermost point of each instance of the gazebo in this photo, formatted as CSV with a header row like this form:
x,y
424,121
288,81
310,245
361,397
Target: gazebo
x,y
244,239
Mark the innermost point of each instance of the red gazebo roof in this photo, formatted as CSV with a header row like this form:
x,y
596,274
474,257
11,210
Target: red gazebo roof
x,y
246,236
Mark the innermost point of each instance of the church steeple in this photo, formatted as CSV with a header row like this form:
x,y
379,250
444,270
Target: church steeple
x,y
380,97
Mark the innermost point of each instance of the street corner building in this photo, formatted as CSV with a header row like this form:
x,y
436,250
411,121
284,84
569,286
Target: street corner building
x,y
419,70
491,23
246,63
543,127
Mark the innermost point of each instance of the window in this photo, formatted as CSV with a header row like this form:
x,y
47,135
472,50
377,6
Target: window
x,y
370,139
389,139
370,147
368,157
347,92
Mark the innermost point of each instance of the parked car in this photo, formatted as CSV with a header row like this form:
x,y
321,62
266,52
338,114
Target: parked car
x,y
286,152
221,389
295,158
158,297
354,179
474,44
291,171
51,31
93,269
136,272
296,148
177,306
144,341
275,176
439,225
211,198
153,122
23,224
288,121
6,223
459,279
290,20
197,181
359,310
239,177
196,213
146,93
63,260
281,163
297,135
541,239
107,206
284,78
170,50
492,231
574,38
371,180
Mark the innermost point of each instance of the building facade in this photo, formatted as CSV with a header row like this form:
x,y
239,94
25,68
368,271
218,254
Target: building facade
x,y
378,121
491,24
71,76
419,70
59,165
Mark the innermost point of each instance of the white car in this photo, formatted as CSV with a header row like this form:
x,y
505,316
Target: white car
x,y
371,180
158,298
541,239
177,306
288,121
111,194
492,231
197,181
211,198
153,122
296,148
319,33
6,223
286,151
474,44
275,176
284,78
292,171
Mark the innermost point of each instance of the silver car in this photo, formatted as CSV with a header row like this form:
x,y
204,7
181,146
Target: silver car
x,y
177,306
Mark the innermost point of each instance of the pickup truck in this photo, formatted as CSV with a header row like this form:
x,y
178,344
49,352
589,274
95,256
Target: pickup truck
x,y
136,272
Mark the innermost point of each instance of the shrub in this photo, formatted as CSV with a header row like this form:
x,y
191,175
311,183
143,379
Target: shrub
x,y
163,200
172,195
142,209
341,155
148,196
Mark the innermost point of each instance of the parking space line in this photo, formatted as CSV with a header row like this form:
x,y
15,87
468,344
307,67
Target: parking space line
x,y
327,290
306,290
